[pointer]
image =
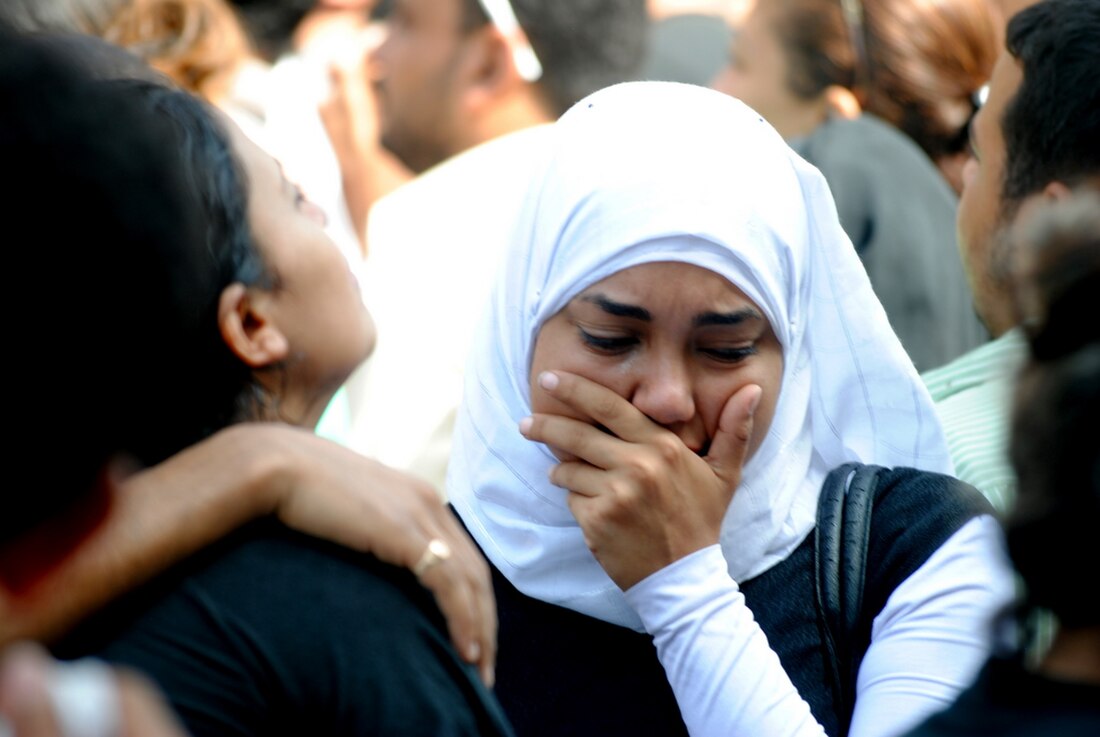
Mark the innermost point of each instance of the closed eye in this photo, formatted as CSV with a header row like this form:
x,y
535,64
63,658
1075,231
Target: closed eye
x,y
608,344
729,355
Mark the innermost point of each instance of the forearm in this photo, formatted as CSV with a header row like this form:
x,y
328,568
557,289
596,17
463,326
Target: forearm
x,y
157,517
726,678
934,632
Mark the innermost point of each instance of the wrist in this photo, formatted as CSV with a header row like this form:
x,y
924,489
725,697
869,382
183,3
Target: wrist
x,y
269,461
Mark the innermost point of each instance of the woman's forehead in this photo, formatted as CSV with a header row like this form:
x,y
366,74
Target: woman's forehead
x,y
671,291
670,279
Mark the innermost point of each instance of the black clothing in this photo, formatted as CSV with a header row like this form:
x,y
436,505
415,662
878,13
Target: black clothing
x,y
1008,701
563,673
272,632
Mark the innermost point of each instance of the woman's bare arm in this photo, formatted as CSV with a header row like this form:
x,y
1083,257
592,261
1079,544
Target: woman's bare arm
x,y
167,512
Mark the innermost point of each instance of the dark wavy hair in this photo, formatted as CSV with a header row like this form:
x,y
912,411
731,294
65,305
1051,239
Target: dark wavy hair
x,y
129,220
1055,447
1052,126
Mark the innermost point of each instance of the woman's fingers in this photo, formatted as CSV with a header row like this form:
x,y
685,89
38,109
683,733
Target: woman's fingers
x,y
474,622
730,445
576,438
598,404
341,496
642,497
580,478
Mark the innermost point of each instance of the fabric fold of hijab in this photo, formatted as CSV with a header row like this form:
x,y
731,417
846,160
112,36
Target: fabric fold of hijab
x,y
651,171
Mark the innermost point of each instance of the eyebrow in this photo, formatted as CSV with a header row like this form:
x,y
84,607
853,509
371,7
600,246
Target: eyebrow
x,y
706,319
618,309
736,317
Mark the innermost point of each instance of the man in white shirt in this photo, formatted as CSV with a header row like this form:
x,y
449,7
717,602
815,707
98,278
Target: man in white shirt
x,y
463,101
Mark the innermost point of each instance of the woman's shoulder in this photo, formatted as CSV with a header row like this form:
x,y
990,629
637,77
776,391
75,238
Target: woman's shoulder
x,y
914,513
906,496
292,626
849,141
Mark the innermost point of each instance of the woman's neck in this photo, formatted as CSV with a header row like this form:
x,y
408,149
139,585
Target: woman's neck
x,y
290,406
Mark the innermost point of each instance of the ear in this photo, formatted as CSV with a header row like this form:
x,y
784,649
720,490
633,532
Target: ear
x,y
247,327
842,101
489,70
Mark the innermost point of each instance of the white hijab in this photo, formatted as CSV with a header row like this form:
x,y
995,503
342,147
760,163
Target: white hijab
x,y
653,171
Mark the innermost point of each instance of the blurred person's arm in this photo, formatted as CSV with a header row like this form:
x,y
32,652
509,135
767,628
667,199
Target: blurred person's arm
x,y
165,513
368,171
40,697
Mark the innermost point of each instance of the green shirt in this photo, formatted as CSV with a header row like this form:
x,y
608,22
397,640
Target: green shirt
x,y
973,396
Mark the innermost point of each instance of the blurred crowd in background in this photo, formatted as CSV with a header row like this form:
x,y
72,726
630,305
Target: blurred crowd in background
x,y
413,126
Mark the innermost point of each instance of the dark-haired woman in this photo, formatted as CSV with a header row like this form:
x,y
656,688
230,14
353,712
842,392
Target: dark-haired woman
x,y
268,630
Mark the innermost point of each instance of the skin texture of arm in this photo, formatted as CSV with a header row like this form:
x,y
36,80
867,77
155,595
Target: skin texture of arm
x,y
167,512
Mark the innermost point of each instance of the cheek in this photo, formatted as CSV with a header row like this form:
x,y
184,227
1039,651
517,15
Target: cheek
x,y
769,377
969,172
558,348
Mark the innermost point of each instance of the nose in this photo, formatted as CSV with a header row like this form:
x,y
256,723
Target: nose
x,y
665,392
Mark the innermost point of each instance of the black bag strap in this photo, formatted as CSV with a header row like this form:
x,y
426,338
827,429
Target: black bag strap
x,y
840,566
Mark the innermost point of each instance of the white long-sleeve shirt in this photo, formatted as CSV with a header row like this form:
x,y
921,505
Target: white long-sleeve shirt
x,y
927,643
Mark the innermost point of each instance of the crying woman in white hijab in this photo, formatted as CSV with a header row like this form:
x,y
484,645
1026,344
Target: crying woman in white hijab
x,y
680,348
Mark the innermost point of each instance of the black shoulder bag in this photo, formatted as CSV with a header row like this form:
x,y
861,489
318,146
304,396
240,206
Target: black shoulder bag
x,y
840,564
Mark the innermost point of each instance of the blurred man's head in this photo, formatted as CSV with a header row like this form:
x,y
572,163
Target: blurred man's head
x,y
99,194
447,78
1039,131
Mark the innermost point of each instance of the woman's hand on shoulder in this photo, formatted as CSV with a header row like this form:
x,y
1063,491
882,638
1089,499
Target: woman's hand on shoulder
x,y
642,497
328,491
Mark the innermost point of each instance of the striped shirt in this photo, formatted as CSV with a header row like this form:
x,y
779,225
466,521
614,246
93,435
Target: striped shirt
x,y
973,396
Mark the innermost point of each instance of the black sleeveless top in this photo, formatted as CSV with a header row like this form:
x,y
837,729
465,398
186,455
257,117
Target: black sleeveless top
x,y
563,673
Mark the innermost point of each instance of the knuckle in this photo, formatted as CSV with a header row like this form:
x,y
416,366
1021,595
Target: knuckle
x,y
668,448
644,468
620,490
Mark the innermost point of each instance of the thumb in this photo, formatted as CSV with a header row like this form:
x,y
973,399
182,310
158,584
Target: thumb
x,y
730,445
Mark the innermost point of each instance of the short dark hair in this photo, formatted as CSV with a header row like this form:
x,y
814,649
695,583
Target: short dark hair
x,y
1052,125
270,24
1055,449
584,45
128,221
